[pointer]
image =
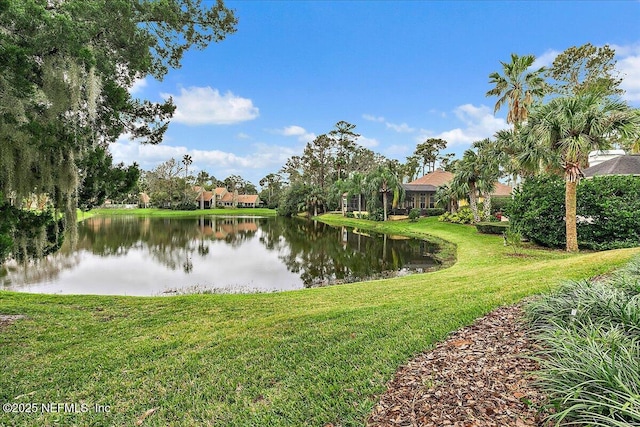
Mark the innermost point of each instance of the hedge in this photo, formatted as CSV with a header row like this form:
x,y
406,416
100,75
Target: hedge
x,y
607,206
492,227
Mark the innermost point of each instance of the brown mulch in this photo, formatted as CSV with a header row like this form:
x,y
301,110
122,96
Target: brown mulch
x,y
478,377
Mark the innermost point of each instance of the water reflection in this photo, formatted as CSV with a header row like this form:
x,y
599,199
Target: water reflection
x,y
150,256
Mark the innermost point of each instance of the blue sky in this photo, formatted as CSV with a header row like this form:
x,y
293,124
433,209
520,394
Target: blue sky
x,y
401,71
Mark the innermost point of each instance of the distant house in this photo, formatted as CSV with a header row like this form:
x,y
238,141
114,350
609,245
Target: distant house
x,y
620,165
205,199
220,192
248,200
226,199
421,193
597,157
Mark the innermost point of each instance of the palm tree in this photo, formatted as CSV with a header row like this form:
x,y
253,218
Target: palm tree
x,y
448,196
355,187
382,180
518,87
489,157
187,161
465,178
571,127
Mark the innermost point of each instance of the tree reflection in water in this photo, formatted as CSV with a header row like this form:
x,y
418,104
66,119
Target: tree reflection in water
x,y
264,253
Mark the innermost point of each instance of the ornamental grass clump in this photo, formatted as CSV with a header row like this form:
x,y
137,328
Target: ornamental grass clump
x,y
590,362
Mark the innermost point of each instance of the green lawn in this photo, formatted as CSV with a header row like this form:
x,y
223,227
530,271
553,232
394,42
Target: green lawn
x,y
309,357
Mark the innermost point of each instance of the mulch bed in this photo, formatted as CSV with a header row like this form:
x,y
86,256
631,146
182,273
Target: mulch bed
x,y
479,377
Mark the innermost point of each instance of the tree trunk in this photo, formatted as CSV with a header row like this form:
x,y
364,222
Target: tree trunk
x,y
384,205
570,215
359,205
486,207
473,203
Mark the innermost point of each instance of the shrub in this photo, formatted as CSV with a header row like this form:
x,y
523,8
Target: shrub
x,y
463,216
414,214
499,203
377,215
537,211
591,353
433,211
185,206
607,211
350,215
513,239
612,206
492,227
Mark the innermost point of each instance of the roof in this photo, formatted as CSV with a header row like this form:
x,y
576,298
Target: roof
x,y
417,187
431,181
220,190
436,178
241,198
502,190
247,198
621,165
206,196
228,197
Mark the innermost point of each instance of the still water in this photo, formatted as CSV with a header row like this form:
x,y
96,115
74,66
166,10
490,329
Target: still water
x,y
127,255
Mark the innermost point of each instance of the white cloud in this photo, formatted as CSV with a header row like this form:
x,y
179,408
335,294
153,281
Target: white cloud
x,y
545,60
367,142
401,128
398,150
243,135
628,64
218,163
438,113
299,131
138,85
479,123
204,105
371,118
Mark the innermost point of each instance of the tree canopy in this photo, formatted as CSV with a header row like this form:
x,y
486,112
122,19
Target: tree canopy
x,y
66,68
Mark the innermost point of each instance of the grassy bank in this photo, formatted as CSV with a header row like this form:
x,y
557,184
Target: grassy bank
x,y
195,213
310,357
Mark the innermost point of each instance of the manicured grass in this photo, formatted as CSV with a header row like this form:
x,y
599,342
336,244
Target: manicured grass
x,y
301,358
195,213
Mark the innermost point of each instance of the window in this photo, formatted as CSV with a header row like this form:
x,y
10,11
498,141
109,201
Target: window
x,y
423,200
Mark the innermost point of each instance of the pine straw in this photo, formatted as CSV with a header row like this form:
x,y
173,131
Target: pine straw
x,y
479,377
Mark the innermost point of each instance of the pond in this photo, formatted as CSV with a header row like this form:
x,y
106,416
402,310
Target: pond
x,y
129,255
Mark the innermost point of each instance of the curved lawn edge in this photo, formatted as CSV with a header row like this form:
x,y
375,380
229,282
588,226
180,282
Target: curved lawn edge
x,y
308,357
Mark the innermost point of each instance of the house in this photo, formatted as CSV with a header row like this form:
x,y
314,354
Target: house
x,y
248,200
220,192
204,198
233,200
421,192
597,157
620,165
